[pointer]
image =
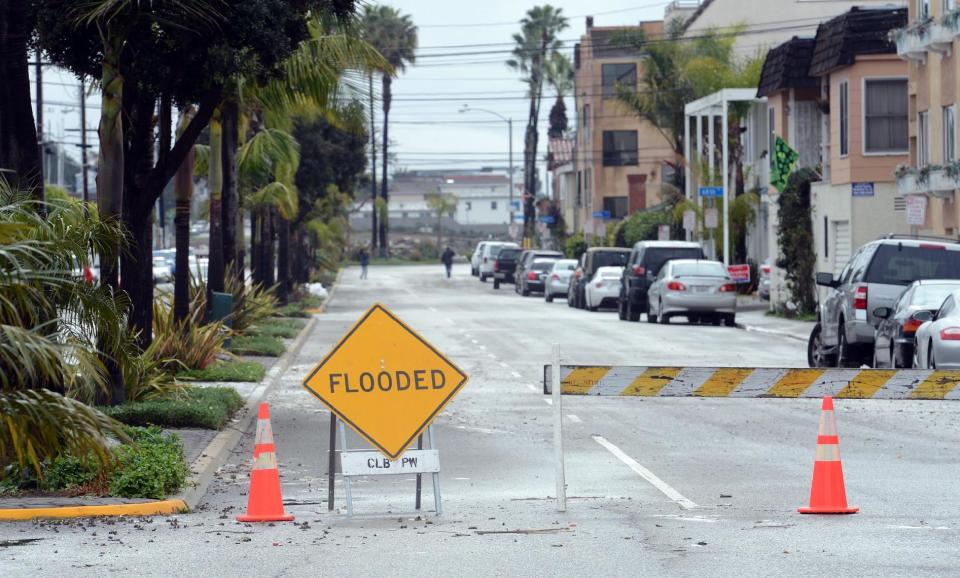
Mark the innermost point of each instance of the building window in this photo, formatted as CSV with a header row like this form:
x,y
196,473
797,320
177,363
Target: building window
x,y
844,118
924,8
885,116
469,205
618,74
403,215
620,148
949,134
616,206
949,6
923,139
586,123
493,205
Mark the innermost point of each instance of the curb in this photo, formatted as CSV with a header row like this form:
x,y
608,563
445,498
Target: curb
x,y
761,330
163,507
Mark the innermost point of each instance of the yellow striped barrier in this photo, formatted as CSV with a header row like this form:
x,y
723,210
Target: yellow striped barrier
x,y
609,380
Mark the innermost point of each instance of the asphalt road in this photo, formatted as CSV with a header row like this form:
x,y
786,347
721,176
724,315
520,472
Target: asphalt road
x,y
721,478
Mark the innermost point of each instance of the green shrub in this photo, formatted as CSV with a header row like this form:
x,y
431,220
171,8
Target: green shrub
x,y
198,407
298,308
259,345
67,472
273,330
576,246
251,303
227,371
152,468
191,344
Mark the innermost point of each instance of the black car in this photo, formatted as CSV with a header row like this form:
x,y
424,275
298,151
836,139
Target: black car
x,y
592,260
893,340
527,258
646,259
505,266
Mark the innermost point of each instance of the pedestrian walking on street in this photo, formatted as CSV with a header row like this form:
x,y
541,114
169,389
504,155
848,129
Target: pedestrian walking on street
x,y
364,263
447,259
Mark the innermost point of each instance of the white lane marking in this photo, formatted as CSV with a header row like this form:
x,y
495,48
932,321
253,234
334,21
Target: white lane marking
x,y
484,347
461,479
434,309
574,418
646,474
532,388
549,401
491,356
502,364
702,519
515,374
920,527
475,342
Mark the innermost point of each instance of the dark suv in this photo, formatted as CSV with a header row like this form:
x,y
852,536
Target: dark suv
x,y
877,274
646,259
505,266
524,267
590,261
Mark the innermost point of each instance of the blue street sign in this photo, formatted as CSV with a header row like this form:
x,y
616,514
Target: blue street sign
x,y
515,205
711,192
548,219
862,189
601,214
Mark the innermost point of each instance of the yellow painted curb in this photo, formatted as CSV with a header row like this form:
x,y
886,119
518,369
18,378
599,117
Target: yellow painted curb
x,y
144,509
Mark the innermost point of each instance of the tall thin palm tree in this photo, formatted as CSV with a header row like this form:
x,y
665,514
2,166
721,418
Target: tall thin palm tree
x,y
536,43
394,35
560,77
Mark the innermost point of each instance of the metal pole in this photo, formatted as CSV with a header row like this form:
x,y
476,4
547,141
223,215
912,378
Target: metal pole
x,y
725,135
438,506
419,476
346,479
332,461
558,429
687,186
510,128
83,141
39,78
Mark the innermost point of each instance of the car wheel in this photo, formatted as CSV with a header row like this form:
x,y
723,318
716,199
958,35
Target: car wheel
x,y
547,296
483,278
845,357
664,320
496,283
731,320
651,318
633,314
525,291
622,308
931,362
815,355
694,319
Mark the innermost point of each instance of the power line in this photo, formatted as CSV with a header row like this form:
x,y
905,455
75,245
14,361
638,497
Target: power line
x,y
516,22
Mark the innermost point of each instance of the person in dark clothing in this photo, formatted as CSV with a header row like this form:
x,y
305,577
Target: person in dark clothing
x,y
447,260
364,263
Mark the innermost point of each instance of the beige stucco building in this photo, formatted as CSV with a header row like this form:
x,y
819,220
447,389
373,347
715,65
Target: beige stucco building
x,y
620,158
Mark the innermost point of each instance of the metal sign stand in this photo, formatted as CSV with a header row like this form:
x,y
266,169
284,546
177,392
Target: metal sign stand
x,y
558,430
347,473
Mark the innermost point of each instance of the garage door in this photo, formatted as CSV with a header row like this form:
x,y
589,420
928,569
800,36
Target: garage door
x,y
841,245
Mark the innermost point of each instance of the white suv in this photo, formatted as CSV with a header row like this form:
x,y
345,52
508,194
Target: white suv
x,y
475,259
489,256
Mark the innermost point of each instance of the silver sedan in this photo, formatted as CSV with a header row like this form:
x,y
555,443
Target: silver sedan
x,y
938,340
558,279
697,290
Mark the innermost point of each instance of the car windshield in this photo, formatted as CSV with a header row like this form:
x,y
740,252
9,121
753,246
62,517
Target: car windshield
x,y
655,257
509,253
543,265
495,250
565,266
707,269
901,265
932,296
610,259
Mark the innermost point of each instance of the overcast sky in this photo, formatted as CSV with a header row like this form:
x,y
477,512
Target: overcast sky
x,y
447,75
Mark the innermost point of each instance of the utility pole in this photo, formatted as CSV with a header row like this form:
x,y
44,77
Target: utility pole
x,y
373,169
83,141
39,79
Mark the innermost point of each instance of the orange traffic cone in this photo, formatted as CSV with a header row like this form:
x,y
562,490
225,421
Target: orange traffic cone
x,y
827,495
264,441
265,503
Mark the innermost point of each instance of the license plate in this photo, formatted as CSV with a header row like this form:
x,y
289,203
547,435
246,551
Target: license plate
x,y
701,289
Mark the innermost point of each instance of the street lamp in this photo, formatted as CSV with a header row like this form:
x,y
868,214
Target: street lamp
x,y
509,121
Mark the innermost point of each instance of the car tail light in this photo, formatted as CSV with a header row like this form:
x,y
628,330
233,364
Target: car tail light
x,y
950,334
554,277
532,276
676,286
599,284
860,297
911,325
484,259
931,246
639,270
728,288
765,269
496,265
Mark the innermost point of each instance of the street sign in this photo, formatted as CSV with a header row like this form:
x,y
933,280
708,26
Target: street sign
x,y
916,210
862,189
710,218
711,192
689,220
385,381
514,230
362,463
739,273
515,205
663,233
601,215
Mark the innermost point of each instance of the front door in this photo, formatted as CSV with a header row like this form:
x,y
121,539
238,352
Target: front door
x,y
638,192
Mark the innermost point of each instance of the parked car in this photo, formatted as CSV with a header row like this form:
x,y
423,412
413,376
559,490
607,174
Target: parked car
x,y
893,340
527,259
505,266
558,280
535,278
699,290
162,270
645,261
874,277
491,249
603,289
763,287
938,340
475,259
591,262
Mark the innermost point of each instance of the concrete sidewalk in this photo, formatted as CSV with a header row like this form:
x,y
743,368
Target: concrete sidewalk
x,y
758,321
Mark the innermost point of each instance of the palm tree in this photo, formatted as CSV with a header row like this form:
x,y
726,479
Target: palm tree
x,y
394,35
536,44
560,77
183,191
441,204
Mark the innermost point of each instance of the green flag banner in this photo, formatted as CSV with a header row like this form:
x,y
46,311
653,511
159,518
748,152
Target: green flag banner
x,y
782,162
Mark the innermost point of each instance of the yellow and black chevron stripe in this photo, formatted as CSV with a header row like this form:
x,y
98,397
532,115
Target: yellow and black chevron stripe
x,y
755,382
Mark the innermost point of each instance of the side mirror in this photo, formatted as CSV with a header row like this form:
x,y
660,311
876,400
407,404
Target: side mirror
x,y
826,280
923,315
882,312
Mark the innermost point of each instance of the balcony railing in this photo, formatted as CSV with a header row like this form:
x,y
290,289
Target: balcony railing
x,y
929,35
910,45
936,181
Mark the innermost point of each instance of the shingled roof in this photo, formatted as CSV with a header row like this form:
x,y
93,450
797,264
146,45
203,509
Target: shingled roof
x,y
786,67
860,31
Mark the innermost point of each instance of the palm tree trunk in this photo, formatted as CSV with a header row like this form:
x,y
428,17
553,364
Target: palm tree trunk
x,y
19,151
183,191
267,262
531,141
375,230
384,181
283,261
255,245
231,195
215,181
110,197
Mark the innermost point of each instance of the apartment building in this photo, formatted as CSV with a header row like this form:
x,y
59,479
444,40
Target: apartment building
x,y
620,159
928,42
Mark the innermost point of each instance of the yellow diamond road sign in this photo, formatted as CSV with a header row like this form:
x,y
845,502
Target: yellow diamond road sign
x,y
385,381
